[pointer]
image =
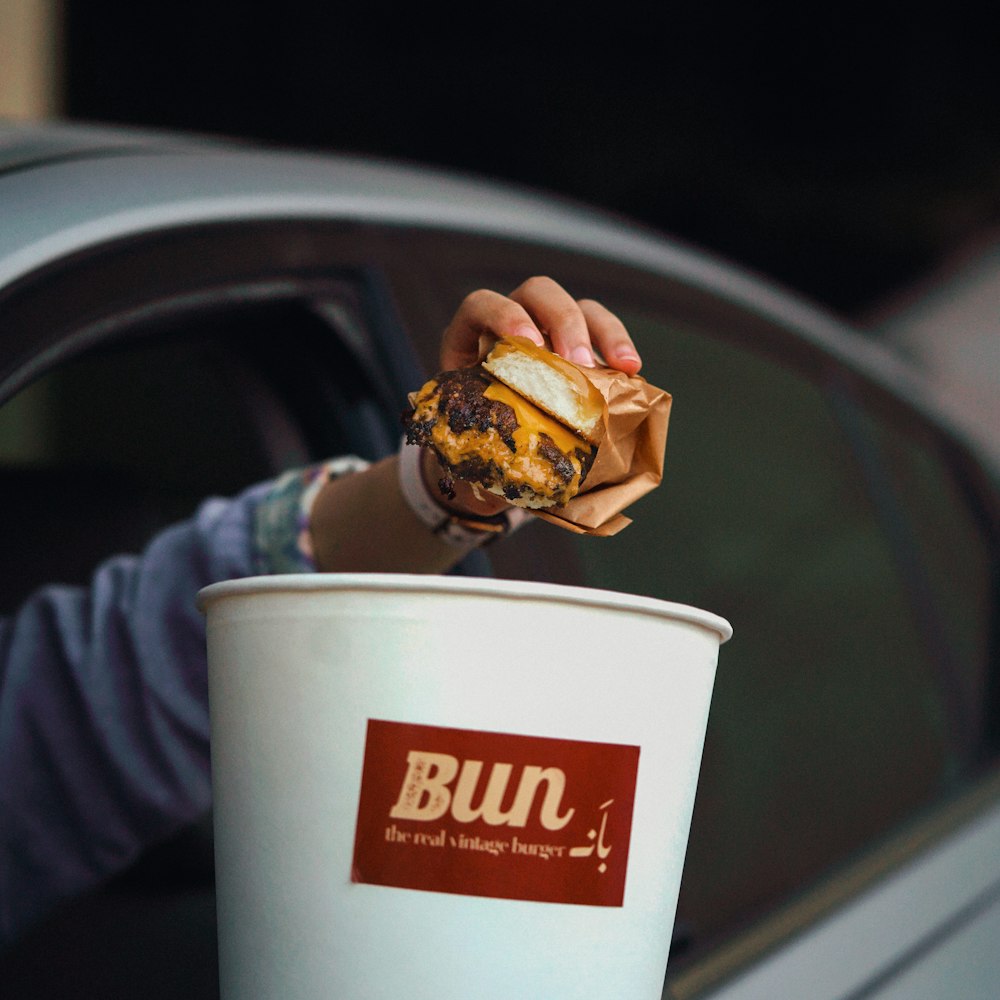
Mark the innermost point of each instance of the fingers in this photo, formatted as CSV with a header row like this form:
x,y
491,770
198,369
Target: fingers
x,y
538,307
557,314
484,312
610,337
577,328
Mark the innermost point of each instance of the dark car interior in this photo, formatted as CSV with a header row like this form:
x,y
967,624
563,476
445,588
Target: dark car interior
x,y
799,499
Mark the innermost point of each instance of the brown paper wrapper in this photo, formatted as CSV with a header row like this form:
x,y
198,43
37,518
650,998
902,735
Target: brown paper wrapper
x,y
629,460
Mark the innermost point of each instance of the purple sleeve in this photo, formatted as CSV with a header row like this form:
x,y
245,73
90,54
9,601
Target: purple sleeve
x,y
103,696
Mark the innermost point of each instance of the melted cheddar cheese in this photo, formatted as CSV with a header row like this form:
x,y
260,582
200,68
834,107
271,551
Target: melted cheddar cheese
x,y
532,420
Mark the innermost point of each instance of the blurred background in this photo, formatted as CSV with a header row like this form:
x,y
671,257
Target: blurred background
x,y
855,159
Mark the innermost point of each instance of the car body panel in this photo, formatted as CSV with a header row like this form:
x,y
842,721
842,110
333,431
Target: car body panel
x,y
913,922
949,324
25,145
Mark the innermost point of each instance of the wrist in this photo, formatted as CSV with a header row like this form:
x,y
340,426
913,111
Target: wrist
x,y
464,500
464,520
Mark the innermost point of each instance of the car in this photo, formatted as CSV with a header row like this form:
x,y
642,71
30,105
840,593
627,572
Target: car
x,y
182,315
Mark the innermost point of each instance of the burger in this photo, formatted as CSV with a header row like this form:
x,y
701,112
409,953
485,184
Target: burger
x,y
523,424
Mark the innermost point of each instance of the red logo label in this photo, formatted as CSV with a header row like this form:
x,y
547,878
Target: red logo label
x,y
494,814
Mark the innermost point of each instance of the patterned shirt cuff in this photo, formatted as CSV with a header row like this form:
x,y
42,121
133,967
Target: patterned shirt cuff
x,y
282,542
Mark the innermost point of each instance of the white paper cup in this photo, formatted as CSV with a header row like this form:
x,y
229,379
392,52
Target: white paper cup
x,y
451,788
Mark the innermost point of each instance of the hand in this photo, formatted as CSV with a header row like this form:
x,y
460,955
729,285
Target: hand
x,y
537,309
348,509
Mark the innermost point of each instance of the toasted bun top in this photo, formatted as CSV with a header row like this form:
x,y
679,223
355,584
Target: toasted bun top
x,y
552,383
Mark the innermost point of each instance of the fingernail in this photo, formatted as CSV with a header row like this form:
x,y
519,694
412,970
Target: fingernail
x,y
582,356
530,332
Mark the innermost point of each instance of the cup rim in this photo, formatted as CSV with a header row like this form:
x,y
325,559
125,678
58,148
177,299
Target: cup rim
x,y
484,586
